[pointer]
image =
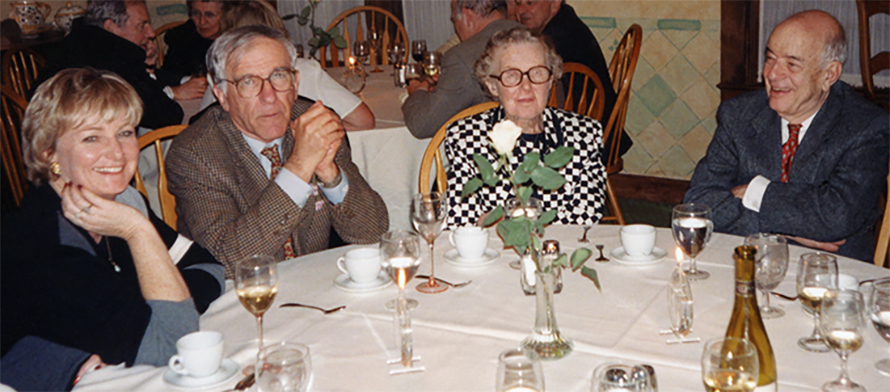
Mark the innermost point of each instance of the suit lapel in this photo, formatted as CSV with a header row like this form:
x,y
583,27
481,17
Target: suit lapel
x,y
806,159
254,177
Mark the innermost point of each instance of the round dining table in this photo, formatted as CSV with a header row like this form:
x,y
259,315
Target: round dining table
x,y
459,333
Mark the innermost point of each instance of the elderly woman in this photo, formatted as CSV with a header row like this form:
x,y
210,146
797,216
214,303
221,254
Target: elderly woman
x,y
518,69
187,43
89,274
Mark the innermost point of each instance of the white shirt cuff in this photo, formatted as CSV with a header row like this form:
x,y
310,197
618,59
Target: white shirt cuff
x,y
754,194
338,193
295,188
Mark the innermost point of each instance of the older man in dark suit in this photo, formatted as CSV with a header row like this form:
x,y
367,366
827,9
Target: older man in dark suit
x,y
267,173
807,157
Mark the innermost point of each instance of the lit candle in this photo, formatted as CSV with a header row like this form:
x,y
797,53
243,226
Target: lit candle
x,y
678,254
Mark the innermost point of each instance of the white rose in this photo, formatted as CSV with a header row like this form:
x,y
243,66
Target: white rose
x,y
503,136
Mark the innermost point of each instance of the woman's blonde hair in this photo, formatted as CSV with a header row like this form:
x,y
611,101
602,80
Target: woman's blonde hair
x,y
67,101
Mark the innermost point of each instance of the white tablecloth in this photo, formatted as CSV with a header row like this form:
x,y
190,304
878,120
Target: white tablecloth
x,y
459,333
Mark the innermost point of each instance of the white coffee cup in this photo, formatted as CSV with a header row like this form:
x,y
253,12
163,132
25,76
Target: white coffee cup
x,y
637,240
470,241
362,265
199,354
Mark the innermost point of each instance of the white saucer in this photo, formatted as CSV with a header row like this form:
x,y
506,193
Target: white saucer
x,y
619,255
344,283
226,372
487,258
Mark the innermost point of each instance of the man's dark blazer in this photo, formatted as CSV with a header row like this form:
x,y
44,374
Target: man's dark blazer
x,y
226,203
836,179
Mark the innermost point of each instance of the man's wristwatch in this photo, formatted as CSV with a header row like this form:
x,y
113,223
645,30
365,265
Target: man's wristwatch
x,y
335,182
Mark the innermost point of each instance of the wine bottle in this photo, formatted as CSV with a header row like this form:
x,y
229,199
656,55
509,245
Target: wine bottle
x,y
746,321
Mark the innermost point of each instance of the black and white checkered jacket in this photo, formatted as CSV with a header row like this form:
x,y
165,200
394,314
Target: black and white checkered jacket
x,y
580,201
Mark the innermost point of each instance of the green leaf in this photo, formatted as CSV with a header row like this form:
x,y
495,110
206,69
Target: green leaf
x,y
590,273
530,162
485,168
302,21
515,232
547,217
547,178
536,242
320,32
493,216
340,42
559,157
562,260
305,11
289,16
521,176
525,193
579,256
323,41
313,42
471,186
334,31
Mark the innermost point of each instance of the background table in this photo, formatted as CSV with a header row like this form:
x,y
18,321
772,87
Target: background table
x,y
459,333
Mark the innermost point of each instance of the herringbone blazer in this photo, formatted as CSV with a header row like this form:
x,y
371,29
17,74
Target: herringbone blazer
x,y
836,178
226,203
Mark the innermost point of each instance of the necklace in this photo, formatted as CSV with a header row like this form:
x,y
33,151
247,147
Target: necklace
x,y
117,268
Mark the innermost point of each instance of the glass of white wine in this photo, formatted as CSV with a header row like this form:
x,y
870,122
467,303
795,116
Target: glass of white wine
x,y
842,321
816,274
879,312
691,226
428,217
432,63
771,266
256,283
729,364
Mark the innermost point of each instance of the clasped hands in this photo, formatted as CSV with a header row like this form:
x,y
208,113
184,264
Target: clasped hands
x,y
318,134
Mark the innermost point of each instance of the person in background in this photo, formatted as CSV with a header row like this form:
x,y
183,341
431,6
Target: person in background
x,y
518,69
89,275
187,44
807,157
264,172
428,107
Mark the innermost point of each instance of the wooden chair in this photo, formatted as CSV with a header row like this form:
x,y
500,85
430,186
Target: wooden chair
x,y
159,39
13,111
168,202
883,243
374,17
20,68
432,153
591,88
869,64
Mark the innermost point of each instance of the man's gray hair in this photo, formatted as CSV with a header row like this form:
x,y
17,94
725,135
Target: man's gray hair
x,y
98,11
482,8
835,48
231,45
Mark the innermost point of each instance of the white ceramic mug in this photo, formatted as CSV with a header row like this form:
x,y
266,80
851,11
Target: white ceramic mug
x,y
637,240
470,241
362,264
199,354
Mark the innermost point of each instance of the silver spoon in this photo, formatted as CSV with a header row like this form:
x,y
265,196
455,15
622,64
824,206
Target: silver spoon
x,y
455,285
325,311
584,237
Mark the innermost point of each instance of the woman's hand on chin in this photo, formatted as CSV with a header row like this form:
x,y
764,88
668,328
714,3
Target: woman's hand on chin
x,y
99,215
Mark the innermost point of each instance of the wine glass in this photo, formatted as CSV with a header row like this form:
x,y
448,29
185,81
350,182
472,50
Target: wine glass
x,y
519,369
772,264
283,367
400,258
256,283
428,212
729,364
879,312
432,63
376,40
418,48
361,50
396,52
816,274
691,225
841,324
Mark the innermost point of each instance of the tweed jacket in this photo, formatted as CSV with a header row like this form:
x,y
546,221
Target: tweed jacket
x,y
836,178
226,202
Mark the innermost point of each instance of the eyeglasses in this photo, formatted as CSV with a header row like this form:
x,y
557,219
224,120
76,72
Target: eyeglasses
x,y
513,77
207,14
250,86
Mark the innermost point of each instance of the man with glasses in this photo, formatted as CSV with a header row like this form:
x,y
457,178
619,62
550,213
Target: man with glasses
x,y
188,43
266,173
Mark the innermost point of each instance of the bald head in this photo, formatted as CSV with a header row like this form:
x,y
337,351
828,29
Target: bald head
x,y
822,27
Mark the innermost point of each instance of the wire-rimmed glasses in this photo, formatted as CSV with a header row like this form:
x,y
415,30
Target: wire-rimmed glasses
x,y
771,261
249,86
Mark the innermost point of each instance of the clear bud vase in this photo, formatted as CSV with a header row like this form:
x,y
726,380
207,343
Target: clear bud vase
x,y
546,340
527,277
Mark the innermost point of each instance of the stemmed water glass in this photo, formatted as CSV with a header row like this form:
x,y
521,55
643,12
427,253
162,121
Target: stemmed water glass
x,y
418,48
691,225
400,258
376,41
879,312
396,52
816,274
841,324
729,364
428,216
772,263
361,50
256,283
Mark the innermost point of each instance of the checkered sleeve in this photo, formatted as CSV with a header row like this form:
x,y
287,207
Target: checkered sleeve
x,y
585,175
465,138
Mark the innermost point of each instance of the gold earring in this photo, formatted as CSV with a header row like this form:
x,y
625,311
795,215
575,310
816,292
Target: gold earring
x,y
56,168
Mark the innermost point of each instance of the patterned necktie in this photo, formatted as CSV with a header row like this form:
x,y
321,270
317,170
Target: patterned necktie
x,y
272,154
788,150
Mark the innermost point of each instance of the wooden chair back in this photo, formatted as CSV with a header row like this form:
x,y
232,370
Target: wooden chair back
x,y
159,39
621,70
871,64
20,68
883,243
167,201
13,112
591,90
362,19
432,154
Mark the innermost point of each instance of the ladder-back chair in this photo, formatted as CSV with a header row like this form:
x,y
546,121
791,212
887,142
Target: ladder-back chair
x,y
13,112
869,64
434,156
20,68
580,76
